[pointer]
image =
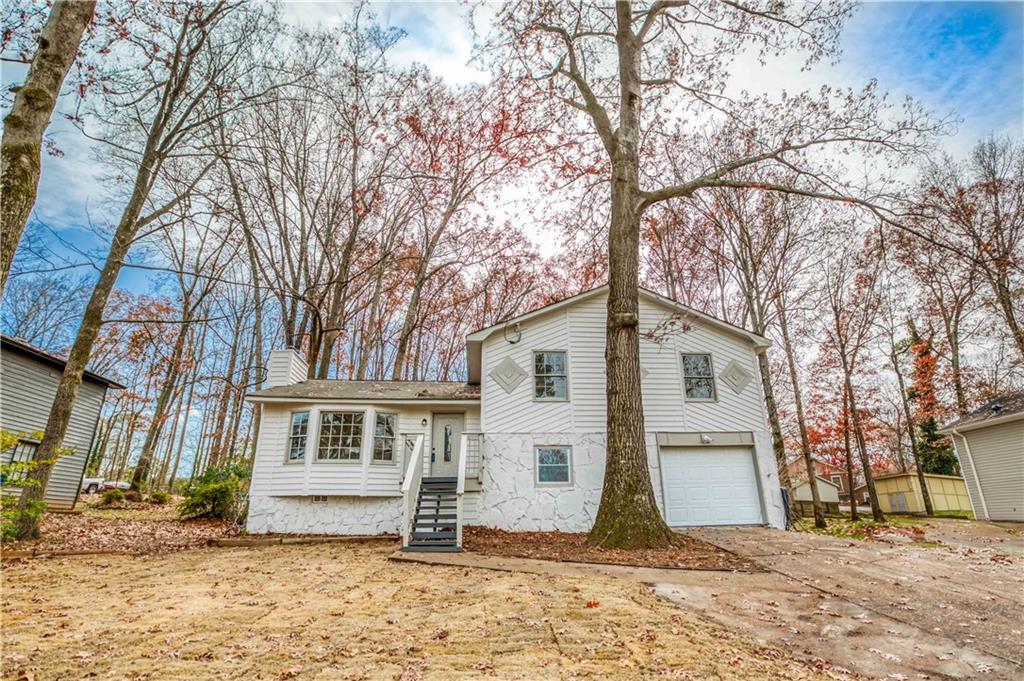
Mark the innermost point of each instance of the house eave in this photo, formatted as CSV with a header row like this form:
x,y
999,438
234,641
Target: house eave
x,y
999,420
349,400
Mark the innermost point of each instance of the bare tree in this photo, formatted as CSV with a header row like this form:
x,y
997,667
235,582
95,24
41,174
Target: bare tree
x,y
615,66
24,125
207,51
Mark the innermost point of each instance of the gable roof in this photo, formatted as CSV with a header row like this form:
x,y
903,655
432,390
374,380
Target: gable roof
x,y
369,391
1002,409
26,349
476,338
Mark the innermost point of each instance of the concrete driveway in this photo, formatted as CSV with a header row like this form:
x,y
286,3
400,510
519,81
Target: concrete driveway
x,y
953,610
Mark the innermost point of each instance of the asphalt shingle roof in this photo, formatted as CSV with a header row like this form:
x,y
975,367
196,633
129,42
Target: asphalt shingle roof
x,y
1004,405
372,391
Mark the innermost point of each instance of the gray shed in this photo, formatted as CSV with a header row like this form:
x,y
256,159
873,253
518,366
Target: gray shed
x,y
28,383
990,445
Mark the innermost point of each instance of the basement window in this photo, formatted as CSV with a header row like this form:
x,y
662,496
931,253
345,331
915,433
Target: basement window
x,y
554,466
319,499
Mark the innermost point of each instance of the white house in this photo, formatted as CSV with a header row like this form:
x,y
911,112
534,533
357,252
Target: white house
x,y
521,445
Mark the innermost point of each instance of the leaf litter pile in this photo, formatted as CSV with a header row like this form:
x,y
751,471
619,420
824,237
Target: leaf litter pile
x,y
687,552
345,612
130,530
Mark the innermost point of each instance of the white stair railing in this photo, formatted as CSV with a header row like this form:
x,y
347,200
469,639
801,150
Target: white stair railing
x,y
460,488
411,488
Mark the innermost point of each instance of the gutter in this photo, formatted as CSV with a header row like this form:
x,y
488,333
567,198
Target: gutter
x,y
974,471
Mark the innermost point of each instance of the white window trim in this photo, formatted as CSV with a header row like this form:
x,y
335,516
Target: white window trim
x,y
533,377
536,467
316,460
398,446
683,377
288,438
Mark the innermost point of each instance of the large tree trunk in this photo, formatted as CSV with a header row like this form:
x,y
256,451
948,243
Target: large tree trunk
x,y
71,379
862,450
628,516
909,416
851,471
772,409
30,113
156,426
805,444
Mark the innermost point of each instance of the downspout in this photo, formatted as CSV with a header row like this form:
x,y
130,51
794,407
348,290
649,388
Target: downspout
x,y
974,471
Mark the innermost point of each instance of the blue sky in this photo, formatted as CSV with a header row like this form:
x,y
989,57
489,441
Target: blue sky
x,y
959,58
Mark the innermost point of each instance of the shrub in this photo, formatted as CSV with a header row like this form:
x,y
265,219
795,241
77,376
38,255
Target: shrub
x,y
133,495
15,476
220,492
160,498
111,497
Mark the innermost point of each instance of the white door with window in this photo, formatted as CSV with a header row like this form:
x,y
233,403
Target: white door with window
x,y
710,486
444,445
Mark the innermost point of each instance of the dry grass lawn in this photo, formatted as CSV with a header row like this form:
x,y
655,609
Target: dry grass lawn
x,y
337,611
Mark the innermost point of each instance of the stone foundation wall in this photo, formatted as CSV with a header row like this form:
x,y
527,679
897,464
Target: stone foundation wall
x,y
337,515
512,500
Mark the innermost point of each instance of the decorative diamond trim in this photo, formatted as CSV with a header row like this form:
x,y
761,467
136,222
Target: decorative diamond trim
x,y
508,374
736,377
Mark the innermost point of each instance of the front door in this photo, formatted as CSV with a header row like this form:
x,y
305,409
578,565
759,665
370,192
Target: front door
x,y
444,445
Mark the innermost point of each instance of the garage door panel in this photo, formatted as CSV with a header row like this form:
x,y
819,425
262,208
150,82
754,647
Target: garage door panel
x,y
712,486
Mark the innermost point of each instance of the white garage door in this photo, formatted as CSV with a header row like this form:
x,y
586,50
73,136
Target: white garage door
x,y
713,486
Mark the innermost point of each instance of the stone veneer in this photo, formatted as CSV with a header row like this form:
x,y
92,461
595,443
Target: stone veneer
x,y
337,515
512,500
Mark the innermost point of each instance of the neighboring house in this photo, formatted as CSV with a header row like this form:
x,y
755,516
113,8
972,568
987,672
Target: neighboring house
x,y
834,474
860,493
521,445
828,493
28,383
901,493
989,443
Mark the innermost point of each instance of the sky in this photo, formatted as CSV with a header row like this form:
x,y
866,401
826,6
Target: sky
x,y
962,59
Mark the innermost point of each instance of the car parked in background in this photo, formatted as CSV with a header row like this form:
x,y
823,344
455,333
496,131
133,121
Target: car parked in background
x,y
117,484
92,485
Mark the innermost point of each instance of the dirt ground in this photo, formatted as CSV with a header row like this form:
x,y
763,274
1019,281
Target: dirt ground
x,y
949,607
345,612
138,528
688,552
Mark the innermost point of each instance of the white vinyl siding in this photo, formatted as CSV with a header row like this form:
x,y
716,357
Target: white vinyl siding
x,y
27,389
272,476
518,411
581,328
998,453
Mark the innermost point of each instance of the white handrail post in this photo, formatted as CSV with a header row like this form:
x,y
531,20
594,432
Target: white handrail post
x,y
411,488
460,488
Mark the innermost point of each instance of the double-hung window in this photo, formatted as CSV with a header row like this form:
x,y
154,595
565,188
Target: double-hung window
x,y
550,376
554,465
297,436
384,437
699,377
341,436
